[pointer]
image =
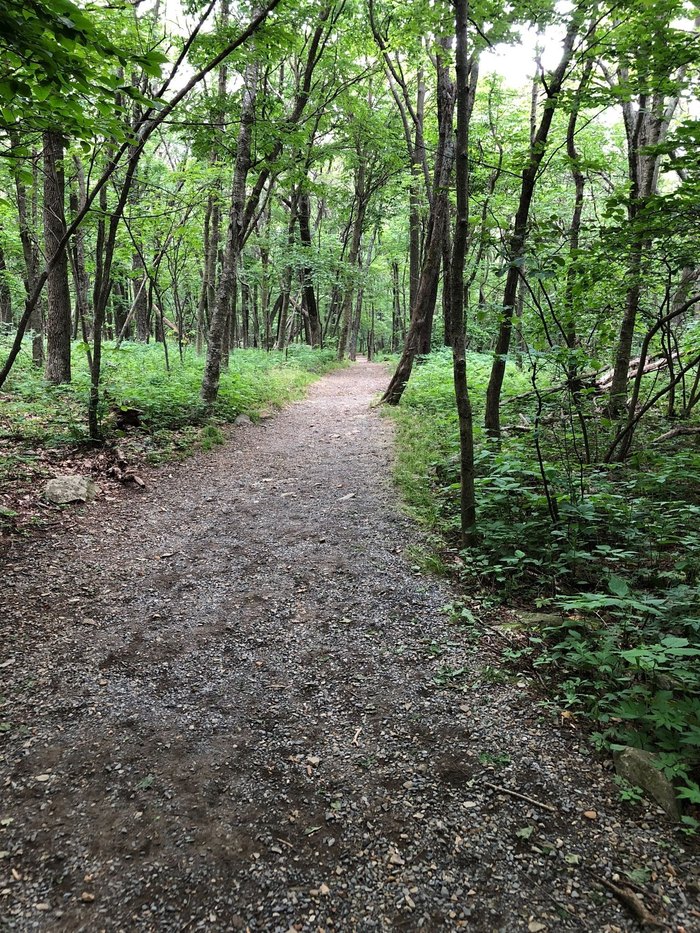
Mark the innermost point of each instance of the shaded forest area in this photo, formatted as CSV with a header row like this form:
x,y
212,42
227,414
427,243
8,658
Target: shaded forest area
x,y
196,221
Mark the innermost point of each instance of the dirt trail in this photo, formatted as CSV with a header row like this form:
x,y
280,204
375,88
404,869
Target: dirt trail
x,y
223,716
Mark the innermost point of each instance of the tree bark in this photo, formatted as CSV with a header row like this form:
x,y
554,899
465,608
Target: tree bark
x,y
308,290
140,296
396,316
202,315
58,318
353,254
245,314
422,311
465,90
227,282
30,254
81,280
647,128
5,293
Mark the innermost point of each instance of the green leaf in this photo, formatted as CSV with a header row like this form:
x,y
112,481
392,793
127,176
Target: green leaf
x,y
618,586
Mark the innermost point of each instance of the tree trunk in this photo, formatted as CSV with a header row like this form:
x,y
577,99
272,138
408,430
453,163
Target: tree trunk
x,y
465,88
308,290
645,129
58,318
139,285
80,276
256,318
353,254
245,314
227,282
415,198
5,293
121,306
516,246
346,308
396,316
422,311
202,316
282,335
30,254
356,322
446,283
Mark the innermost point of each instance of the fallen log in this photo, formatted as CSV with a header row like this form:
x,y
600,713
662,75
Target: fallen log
x,y
676,432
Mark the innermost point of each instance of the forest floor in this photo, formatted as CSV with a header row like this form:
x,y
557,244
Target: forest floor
x,y
233,701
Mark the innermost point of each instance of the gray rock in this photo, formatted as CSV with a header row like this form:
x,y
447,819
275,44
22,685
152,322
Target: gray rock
x,y
242,419
64,489
640,768
540,619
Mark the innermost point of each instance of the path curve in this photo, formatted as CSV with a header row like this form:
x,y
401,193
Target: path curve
x,y
224,716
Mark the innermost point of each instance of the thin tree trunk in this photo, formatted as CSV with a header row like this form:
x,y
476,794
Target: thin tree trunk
x,y
516,246
446,283
227,282
282,331
357,318
245,314
396,317
415,198
202,317
58,318
353,254
256,318
422,311
308,290
465,90
645,129
30,254
5,293
80,275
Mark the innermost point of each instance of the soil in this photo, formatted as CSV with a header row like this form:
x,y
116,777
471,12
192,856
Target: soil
x,y
233,700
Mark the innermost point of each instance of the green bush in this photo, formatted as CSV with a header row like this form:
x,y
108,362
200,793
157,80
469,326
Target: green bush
x,y
37,415
625,656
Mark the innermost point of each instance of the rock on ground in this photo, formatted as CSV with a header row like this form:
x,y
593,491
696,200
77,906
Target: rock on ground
x,y
62,490
641,769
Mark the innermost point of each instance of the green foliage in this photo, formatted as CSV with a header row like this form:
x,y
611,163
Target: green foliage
x,y
625,654
36,415
60,66
629,660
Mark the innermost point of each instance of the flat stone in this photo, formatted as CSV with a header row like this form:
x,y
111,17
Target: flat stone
x,y
65,489
538,619
242,419
640,768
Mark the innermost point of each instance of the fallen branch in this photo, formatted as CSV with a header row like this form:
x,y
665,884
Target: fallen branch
x,y
675,432
630,900
515,793
599,381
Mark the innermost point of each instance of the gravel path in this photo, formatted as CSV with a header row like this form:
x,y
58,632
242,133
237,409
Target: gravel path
x,y
235,703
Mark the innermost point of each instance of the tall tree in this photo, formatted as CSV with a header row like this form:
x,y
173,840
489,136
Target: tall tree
x,y
465,85
426,295
516,245
649,81
58,318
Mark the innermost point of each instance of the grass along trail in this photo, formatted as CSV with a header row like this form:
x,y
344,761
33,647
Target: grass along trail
x,y
233,702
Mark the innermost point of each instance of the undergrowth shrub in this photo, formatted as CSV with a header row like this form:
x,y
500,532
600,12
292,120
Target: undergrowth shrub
x,y
615,547
36,415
